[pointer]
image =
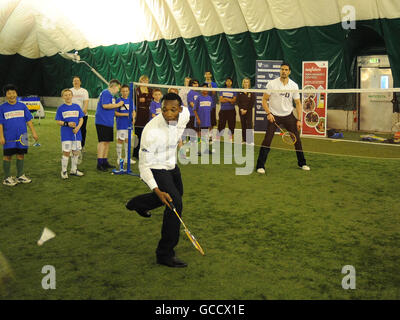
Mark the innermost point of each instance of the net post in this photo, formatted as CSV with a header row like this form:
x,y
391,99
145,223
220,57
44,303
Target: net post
x,y
128,165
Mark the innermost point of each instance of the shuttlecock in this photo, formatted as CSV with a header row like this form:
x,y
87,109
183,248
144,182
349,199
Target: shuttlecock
x,y
47,234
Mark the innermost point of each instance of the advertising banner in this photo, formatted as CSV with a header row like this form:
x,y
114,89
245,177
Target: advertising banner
x,y
315,76
266,70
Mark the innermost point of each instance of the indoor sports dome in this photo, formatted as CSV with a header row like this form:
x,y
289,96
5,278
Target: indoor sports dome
x,y
123,164
170,39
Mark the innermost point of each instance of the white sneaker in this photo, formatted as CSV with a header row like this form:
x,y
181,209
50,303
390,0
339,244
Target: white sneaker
x,y
305,168
77,173
64,175
23,179
10,181
261,170
133,161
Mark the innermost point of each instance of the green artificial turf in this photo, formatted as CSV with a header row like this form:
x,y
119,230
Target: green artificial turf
x,y
283,235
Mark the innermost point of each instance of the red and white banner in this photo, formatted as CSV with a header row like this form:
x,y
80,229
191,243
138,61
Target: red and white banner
x,y
315,76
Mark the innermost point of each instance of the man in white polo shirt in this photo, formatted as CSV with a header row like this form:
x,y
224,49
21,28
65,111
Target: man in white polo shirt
x,y
80,96
158,169
279,109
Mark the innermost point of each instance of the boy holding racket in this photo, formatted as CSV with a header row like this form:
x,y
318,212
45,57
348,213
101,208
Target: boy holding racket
x,y
122,119
70,117
14,117
279,109
104,121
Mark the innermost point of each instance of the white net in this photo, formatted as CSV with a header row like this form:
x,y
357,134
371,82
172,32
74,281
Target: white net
x,y
345,122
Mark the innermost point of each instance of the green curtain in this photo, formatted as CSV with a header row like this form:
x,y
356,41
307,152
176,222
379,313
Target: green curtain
x,y
162,61
243,55
180,60
198,57
220,58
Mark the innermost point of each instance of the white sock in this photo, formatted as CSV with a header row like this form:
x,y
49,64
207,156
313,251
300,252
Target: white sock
x,y
74,163
126,151
64,163
119,150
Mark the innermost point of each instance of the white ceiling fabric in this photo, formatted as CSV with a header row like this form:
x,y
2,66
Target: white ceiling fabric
x,y
37,28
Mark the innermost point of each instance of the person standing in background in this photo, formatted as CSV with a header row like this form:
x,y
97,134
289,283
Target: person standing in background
x,y
191,99
246,102
184,91
14,117
144,96
104,121
227,112
80,96
211,84
155,105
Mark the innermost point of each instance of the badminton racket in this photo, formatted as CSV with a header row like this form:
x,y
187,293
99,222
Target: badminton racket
x,y
287,136
24,140
191,237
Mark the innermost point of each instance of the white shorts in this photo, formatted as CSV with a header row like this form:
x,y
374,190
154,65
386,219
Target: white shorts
x,y
68,146
122,134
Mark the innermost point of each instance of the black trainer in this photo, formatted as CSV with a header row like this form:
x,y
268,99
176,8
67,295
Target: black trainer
x,y
108,166
173,262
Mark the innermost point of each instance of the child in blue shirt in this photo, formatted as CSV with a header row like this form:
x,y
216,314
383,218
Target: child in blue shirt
x,y
155,105
70,117
202,110
14,117
104,121
122,119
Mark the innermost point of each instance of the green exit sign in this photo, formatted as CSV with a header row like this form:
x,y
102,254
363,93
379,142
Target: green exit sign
x,y
374,60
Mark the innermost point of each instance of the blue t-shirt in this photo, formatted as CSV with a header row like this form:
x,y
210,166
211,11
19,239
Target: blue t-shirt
x,y
213,94
123,122
227,105
191,97
70,113
155,108
14,117
203,107
105,117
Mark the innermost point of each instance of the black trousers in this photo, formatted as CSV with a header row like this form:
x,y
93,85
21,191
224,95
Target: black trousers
x,y
169,181
290,123
138,132
213,116
246,122
224,117
83,130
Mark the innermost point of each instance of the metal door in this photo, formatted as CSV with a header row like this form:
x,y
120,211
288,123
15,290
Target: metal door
x,y
376,109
